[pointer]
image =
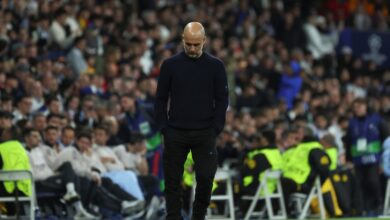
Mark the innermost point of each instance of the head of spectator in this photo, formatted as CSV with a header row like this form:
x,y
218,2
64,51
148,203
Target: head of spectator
x,y
359,107
289,138
268,138
101,109
328,141
84,141
50,83
100,135
137,144
60,16
54,105
51,136
128,104
68,136
32,138
24,105
5,119
11,84
80,42
56,120
7,135
321,121
72,106
6,103
39,122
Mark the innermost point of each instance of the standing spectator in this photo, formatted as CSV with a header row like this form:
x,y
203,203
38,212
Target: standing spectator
x,y
75,57
135,119
60,32
365,135
49,180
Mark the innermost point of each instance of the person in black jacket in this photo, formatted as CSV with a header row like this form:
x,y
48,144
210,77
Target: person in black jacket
x,y
195,84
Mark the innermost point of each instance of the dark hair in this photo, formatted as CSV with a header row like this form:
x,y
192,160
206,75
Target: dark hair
x,y
59,12
84,135
102,127
28,131
55,115
136,138
68,128
360,100
51,127
270,136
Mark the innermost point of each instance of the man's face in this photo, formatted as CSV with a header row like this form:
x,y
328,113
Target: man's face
x,y
25,105
33,139
5,122
360,109
193,45
100,136
67,137
84,144
51,136
127,104
40,123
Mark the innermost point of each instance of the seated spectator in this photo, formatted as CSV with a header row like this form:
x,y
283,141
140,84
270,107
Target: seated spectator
x,y
67,137
307,161
108,164
54,181
133,158
121,201
264,156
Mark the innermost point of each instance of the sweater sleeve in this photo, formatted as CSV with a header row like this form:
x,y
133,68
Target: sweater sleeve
x,y
320,162
162,95
259,164
221,98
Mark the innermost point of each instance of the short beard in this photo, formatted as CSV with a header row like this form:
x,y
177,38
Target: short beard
x,y
193,56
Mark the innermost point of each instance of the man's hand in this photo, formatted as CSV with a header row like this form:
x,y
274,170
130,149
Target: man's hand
x,y
107,160
96,178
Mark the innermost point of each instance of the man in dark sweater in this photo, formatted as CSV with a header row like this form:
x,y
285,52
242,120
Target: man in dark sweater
x,y
195,84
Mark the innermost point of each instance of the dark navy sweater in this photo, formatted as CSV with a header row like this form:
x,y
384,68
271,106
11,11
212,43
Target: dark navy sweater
x,y
197,92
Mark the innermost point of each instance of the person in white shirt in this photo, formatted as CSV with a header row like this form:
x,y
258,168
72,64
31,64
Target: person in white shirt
x,y
120,200
133,156
58,32
110,166
68,135
49,180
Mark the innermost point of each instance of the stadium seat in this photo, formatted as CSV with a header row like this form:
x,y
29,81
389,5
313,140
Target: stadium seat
x,y
223,176
302,201
262,193
14,176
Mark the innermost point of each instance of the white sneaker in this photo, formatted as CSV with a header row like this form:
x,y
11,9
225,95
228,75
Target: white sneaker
x,y
153,208
132,206
83,214
71,197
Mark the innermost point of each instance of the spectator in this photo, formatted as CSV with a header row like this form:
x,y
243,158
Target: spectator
x,y
366,132
75,57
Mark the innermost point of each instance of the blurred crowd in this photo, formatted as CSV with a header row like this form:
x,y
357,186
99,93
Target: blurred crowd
x,y
94,62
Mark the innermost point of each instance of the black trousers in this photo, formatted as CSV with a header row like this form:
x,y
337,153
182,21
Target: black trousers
x,y
370,186
150,186
57,183
177,145
289,187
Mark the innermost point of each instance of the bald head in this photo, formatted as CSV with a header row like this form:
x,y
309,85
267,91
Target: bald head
x,y
194,39
194,29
